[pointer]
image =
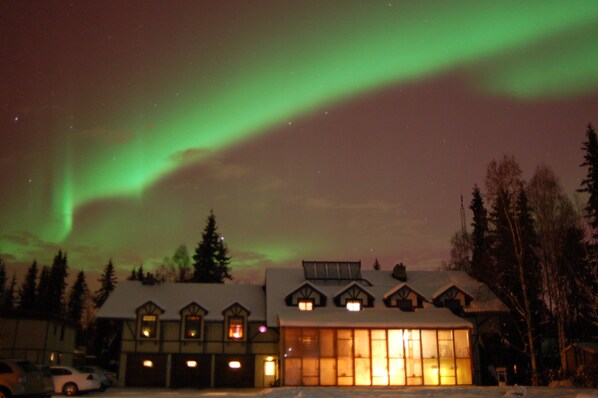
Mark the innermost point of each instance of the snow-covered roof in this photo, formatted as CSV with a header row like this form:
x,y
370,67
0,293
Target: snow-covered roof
x,y
172,297
281,281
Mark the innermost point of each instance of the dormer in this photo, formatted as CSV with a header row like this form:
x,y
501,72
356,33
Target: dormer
x,y
453,298
235,321
404,297
148,321
306,297
192,320
355,297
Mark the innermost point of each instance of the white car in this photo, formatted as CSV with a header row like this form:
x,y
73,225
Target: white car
x,y
71,381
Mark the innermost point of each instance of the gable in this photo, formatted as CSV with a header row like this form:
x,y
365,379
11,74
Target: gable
x,y
306,291
404,297
354,291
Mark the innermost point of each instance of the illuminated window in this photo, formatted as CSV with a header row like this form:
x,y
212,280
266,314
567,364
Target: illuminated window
x,y
269,368
235,328
148,364
149,325
354,305
191,364
192,327
306,305
234,364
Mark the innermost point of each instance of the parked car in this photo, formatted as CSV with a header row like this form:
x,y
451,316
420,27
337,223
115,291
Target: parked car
x,y
106,378
21,378
71,381
47,379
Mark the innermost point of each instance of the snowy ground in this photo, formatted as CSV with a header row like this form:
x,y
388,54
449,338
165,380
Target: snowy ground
x,y
355,392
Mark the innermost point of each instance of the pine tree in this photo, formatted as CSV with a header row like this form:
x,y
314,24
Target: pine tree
x,y
9,294
58,274
77,298
27,298
479,253
44,290
3,278
211,260
107,284
589,184
376,266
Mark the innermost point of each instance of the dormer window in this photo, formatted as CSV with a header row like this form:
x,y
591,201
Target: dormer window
x,y
192,327
149,325
235,327
354,305
305,305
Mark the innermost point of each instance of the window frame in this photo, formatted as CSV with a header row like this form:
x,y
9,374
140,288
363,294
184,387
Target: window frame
x,y
239,323
305,304
153,334
349,304
186,328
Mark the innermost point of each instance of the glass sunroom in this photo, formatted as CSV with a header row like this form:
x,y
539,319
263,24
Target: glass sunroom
x,y
379,357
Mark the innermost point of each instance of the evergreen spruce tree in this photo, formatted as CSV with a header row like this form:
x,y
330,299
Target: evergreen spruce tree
x,y
376,266
479,258
211,260
58,274
140,275
77,298
589,184
27,298
107,284
9,294
44,290
3,279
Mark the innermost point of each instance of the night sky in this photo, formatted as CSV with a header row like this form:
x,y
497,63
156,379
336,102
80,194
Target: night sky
x,y
316,130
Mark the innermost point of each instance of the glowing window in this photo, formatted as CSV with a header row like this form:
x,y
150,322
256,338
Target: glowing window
x,y
149,325
234,364
235,328
148,364
269,367
306,305
191,364
354,305
192,327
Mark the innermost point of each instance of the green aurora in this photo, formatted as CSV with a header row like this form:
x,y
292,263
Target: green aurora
x,y
314,56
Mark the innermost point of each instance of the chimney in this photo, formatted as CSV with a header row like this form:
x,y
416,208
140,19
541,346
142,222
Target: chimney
x,y
399,272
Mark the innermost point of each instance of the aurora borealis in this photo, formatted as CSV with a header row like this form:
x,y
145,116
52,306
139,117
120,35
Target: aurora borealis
x,y
315,130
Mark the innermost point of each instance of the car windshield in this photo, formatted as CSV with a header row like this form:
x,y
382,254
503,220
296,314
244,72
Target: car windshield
x,y
27,366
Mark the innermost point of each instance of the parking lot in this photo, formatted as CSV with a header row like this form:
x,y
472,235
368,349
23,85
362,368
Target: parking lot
x,y
355,392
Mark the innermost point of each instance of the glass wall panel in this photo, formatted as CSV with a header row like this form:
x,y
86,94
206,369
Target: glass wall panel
x,y
413,356
461,344
446,355
327,343
363,375
345,357
430,355
396,368
345,371
310,346
327,371
395,343
447,371
292,371
292,347
463,371
311,371
362,343
379,358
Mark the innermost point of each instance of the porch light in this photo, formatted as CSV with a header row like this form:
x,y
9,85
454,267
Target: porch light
x,y
191,364
234,364
148,364
262,328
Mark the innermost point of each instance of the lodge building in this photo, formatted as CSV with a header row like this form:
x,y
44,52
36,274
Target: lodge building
x,y
326,324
